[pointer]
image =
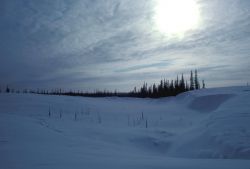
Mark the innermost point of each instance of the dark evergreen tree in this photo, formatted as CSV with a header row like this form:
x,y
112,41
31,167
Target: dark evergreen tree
x,y
187,86
203,84
150,92
154,90
191,81
171,88
182,84
135,90
161,89
176,86
196,81
166,87
7,89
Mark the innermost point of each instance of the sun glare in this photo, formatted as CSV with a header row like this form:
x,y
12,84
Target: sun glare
x,y
175,17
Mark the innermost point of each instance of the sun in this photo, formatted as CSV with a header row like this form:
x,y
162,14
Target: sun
x,y
175,17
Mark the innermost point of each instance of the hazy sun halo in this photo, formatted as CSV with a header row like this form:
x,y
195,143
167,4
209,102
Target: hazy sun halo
x,y
175,17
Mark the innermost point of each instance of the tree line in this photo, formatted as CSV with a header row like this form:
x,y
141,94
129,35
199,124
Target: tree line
x,y
167,88
164,88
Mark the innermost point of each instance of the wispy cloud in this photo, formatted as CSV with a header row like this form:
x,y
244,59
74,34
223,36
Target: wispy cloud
x,y
139,67
82,43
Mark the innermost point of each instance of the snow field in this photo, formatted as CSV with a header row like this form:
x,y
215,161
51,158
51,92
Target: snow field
x,y
200,129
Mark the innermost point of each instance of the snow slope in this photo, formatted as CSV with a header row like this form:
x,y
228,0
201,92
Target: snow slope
x,y
200,129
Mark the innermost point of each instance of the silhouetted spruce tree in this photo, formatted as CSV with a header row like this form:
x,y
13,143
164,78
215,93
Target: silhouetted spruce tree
x,y
191,81
176,86
182,84
161,89
166,87
144,90
154,90
150,91
135,90
196,81
203,84
187,87
7,89
171,89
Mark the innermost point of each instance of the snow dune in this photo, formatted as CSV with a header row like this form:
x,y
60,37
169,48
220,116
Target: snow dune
x,y
210,102
208,128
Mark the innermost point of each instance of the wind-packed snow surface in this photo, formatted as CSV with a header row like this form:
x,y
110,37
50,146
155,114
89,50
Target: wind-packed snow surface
x,y
203,129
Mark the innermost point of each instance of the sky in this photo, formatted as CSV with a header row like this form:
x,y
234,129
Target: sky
x,y
117,44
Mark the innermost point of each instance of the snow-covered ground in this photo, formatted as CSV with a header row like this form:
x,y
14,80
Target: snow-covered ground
x,y
205,129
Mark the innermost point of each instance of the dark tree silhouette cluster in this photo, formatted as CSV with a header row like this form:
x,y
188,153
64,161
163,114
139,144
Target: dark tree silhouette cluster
x,y
164,88
168,87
